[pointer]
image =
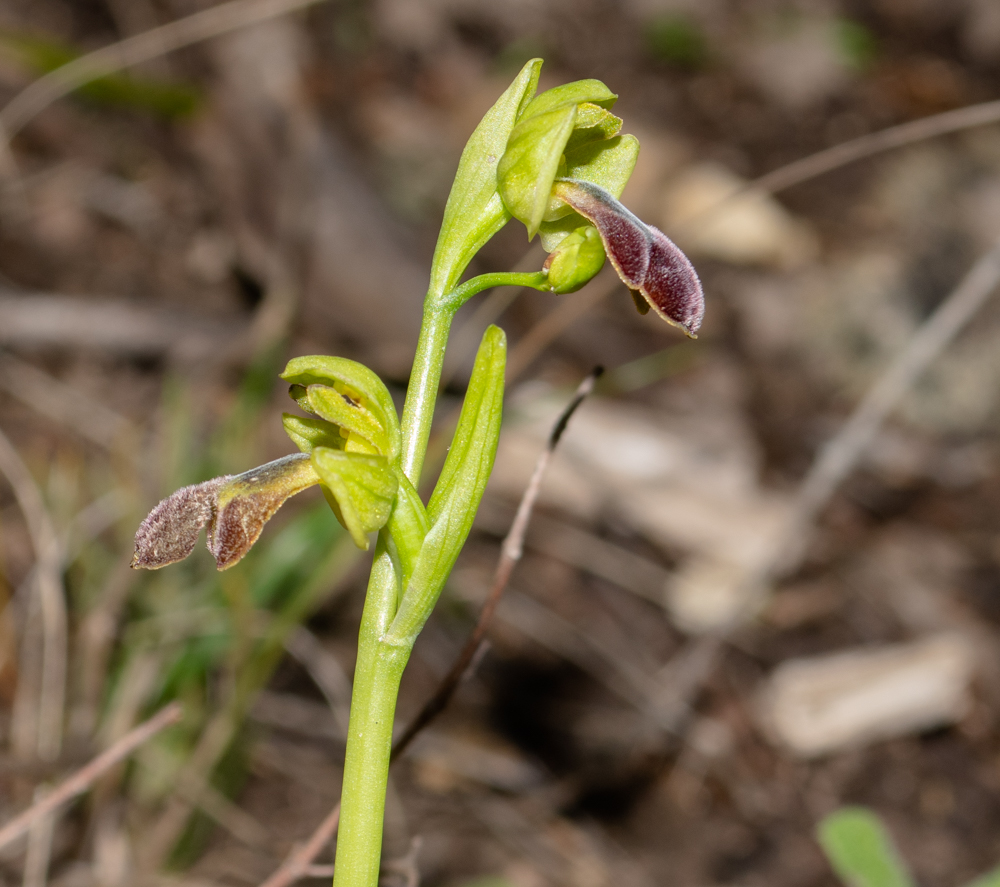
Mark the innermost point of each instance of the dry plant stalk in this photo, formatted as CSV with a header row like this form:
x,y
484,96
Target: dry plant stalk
x,y
48,728
80,781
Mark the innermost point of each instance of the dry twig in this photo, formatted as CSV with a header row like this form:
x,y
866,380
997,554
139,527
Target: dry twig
x,y
80,781
299,862
510,554
841,454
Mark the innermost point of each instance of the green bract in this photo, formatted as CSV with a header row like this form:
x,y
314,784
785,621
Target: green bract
x,y
351,398
475,212
459,489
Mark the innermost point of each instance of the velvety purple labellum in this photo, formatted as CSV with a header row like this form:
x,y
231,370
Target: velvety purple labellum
x,y
644,257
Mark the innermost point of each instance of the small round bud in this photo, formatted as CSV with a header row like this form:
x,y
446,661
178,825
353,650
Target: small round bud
x,y
575,261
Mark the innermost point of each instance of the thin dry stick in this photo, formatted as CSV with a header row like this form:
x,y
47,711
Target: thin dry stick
x,y
203,25
80,781
876,143
298,864
510,554
840,455
48,580
829,159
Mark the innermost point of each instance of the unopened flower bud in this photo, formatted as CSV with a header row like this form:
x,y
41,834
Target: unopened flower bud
x,y
576,260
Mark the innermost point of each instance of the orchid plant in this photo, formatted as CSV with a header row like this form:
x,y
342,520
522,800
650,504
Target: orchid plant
x,y
557,162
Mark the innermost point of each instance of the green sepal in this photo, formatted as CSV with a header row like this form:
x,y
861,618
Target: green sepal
x,y
350,395
575,93
475,212
860,850
576,261
360,488
307,434
531,162
408,525
459,489
593,123
606,163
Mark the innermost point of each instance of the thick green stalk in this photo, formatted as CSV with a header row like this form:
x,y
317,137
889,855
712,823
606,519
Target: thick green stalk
x,y
380,665
369,740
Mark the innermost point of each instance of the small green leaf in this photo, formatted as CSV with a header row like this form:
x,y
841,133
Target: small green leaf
x,y
990,879
860,850
475,212
459,489
361,490
531,162
307,434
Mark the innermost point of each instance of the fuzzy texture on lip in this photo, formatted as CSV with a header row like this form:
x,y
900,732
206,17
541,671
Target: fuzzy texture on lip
x,y
234,508
647,261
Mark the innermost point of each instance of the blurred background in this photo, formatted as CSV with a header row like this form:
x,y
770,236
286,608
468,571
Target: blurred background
x,y
652,709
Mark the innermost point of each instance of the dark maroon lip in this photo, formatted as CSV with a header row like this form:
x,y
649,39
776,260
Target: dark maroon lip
x,y
646,259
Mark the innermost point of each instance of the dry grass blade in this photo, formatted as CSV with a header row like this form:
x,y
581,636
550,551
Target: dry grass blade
x,y
876,143
132,51
36,862
80,781
48,581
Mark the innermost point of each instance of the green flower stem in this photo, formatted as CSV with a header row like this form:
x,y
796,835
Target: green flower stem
x,y
380,664
421,395
425,376
369,740
461,294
